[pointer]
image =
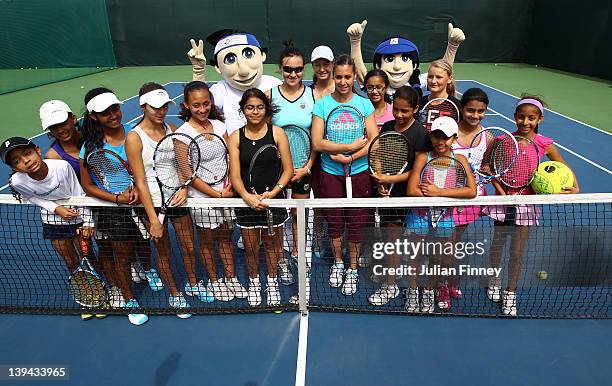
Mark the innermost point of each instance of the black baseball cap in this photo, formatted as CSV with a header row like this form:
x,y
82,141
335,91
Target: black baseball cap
x,y
13,143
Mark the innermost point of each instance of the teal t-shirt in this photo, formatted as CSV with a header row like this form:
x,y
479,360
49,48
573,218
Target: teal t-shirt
x,y
298,112
322,108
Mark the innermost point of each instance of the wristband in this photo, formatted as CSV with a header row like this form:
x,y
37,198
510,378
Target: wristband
x,y
117,199
307,168
280,186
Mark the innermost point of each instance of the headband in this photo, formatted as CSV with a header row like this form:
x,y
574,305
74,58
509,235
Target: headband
x,y
531,101
236,40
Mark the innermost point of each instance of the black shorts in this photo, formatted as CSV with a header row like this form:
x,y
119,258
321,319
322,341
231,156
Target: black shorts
x,y
396,216
251,218
170,212
510,217
118,223
302,186
60,231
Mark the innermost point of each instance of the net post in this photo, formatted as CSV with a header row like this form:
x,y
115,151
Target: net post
x,y
302,268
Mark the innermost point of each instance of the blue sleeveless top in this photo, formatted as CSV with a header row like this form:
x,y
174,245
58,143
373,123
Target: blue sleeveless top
x,y
74,162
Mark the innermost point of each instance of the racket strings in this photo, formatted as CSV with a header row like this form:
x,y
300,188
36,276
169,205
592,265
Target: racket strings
x,y
436,108
389,155
265,169
444,172
213,166
176,160
524,167
299,145
109,172
86,288
344,125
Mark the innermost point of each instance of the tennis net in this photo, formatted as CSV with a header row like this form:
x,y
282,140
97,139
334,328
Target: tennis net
x,y
560,266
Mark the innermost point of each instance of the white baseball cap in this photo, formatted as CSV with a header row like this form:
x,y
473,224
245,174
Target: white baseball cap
x,y
447,125
53,112
322,52
101,102
156,98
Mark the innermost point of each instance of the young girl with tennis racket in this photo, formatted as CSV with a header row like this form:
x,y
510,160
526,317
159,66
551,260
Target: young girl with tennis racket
x,y
62,125
405,110
516,220
344,166
474,103
442,100
437,173
294,103
375,85
260,168
118,235
204,122
140,147
42,182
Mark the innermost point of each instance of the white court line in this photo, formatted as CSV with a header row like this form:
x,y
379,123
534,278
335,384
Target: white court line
x,y
552,111
300,370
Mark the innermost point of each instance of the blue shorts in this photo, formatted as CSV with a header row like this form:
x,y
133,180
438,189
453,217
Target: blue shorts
x,y
422,226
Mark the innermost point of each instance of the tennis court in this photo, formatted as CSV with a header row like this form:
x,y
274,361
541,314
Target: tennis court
x,y
334,348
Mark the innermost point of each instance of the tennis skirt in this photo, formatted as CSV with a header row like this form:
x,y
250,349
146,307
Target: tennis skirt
x,y
250,218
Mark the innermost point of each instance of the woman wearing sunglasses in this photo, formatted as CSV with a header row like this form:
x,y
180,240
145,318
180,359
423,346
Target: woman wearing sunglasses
x,y
293,103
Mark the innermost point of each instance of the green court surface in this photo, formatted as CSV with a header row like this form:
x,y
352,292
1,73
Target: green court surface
x,y
583,98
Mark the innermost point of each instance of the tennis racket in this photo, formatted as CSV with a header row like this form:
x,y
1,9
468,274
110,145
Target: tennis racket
x,y
109,171
264,172
300,146
492,153
522,172
175,162
435,108
84,283
343,125
213,167
444,172
390,154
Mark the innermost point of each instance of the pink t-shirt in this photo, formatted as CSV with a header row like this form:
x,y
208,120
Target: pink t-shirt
x,y
525,214
387,116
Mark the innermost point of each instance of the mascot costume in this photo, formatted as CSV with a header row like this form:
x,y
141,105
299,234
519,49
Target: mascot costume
x,y
239,58
398,57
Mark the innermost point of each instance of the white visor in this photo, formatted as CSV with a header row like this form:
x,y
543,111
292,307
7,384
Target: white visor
x,y
156,98
101,102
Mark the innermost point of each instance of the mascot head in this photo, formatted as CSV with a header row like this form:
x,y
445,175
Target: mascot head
x,y
238,57
399,58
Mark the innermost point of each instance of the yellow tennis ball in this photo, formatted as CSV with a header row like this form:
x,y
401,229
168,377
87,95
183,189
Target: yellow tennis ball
x,y
551,177
542,275
278,312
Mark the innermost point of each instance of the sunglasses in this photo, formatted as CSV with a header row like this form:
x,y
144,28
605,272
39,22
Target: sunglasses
x,y
289,70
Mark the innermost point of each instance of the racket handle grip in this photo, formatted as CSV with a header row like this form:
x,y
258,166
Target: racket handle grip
x,y
270,220
349,187
289,192
227,216
161,217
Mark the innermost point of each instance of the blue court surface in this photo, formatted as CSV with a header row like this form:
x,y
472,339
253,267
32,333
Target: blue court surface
x,y
332,348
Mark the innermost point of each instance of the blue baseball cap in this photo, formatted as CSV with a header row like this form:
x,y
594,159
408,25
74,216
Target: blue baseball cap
x,y
396,45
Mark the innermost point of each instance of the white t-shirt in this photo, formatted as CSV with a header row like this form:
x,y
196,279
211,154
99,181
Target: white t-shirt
x,y
60,183
478,153
227,99
207,160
